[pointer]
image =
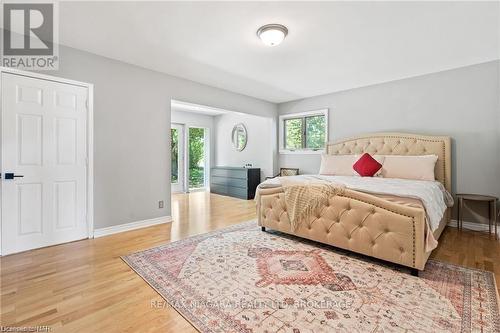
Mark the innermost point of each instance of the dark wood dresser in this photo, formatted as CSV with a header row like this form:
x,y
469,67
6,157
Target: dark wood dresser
x,y
235,182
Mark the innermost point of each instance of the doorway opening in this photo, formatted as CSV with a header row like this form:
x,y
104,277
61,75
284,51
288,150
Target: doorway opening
x,y
191,133
203,141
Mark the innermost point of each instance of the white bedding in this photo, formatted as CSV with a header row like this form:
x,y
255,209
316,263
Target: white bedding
x,y
432,194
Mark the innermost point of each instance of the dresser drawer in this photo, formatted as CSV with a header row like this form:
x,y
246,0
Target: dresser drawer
x,y
231,173
229,190
236,182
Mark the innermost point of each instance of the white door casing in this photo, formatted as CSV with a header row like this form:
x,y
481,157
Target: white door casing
x,y
45,136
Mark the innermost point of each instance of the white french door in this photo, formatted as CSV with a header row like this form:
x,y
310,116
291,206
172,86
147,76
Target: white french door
x,y
177,140
44,162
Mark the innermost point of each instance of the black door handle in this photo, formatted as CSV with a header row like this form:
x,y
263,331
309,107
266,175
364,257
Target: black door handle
x,y
10,175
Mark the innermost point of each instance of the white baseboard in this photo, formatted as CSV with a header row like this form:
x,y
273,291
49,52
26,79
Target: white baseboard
x,y
131,226
473,226
167,219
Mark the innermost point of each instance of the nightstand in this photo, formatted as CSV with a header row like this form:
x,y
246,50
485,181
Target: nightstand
x,y
492,203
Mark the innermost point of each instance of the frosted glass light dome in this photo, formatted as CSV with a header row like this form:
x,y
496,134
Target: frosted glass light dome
x,y
272,34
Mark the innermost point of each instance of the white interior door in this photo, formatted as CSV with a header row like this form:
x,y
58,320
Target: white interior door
x,y
44,140
177,156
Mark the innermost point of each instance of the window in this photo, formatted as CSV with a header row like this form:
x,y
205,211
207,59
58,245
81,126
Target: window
x,y
304,132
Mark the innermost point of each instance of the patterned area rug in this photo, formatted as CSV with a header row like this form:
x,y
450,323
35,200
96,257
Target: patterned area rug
x,y
241,279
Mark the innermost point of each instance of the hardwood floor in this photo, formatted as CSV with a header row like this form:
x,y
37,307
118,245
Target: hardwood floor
x,y
85,287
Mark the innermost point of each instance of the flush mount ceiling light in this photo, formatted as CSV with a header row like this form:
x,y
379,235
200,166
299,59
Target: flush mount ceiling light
x,y
272,34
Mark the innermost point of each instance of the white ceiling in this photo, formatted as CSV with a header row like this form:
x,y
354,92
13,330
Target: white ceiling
x,y
331,46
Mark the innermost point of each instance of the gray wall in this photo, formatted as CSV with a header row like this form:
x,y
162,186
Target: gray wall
x,y
132,121
462,103
259,149
132,129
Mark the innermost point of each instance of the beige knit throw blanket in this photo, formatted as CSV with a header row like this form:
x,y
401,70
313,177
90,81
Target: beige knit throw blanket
x,y
304,199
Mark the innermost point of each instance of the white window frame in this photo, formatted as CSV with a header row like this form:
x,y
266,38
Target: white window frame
x,y
281,125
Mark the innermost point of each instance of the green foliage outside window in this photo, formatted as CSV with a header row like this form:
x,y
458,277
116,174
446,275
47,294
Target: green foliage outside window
x,y
315,132
293,133
196,157
305,133
174,146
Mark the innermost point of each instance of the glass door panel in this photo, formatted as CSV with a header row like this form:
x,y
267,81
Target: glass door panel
x,y
177,158
197,157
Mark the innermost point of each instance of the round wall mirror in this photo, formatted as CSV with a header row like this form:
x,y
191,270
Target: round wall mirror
x,y
239,137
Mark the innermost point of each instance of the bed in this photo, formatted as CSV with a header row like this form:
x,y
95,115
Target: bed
x,y
385,227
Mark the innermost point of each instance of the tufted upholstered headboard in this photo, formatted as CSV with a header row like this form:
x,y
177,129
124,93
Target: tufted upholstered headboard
x,y
400,144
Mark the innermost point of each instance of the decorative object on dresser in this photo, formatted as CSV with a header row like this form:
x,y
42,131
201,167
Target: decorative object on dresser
x,y
234,181
492,203
286,172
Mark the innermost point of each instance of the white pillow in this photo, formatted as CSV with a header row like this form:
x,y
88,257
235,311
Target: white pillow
x,y
419,167
338,165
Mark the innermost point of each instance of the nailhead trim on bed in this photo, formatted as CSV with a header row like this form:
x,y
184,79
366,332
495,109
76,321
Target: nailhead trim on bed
x,y
389,210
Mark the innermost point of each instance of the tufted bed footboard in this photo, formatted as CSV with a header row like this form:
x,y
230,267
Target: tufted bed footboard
x,y
365,223
355,221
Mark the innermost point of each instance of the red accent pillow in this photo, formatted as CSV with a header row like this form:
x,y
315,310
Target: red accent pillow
x,y
366,166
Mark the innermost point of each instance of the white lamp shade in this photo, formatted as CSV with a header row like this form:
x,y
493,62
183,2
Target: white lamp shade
x,y
272,37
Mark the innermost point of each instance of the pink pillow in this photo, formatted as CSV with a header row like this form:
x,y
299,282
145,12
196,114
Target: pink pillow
x,y
409,167
338,165
367,166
